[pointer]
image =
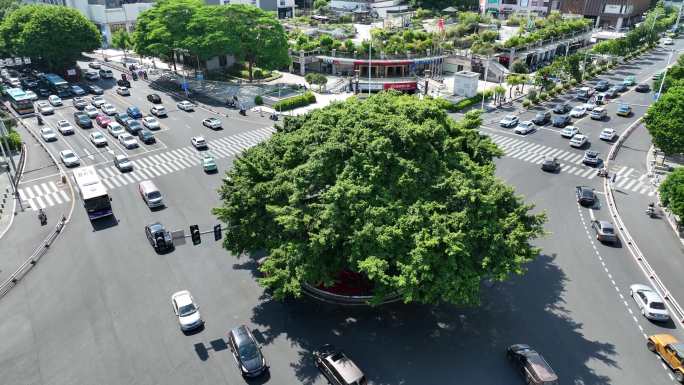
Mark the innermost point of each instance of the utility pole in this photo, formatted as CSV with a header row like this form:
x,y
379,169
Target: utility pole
x,y
484,89
370,52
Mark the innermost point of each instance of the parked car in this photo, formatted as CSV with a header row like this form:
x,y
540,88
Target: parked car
x,y
605,232
106,73
550,163
208,163
95,65
98,139
158,111
561,108
31,95
146,136
154,98
671,351
150,122
578,111
560,120
45,108
591,158
578,141
531,365
64,127
55,100
133,126
542,118
185,106
337,368
91,111
629,81
650,303
602,85
122,118
93,89
102,120
92,76
79,103
613,92
115,129
134,112
569,131
108,109
584,93
123,91
128,141
246,352
76,90
187,311
509,121
585,195
98,101
598,113
524,128
607,134
82,120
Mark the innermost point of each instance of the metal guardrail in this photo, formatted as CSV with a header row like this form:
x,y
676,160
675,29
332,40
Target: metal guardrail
x,y
18,274
336,299
634,250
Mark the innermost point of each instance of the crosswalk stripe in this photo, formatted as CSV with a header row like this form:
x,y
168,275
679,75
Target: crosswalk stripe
x,y
163,168
22,194
46,188
127,178
108,183
110,171
64,195
622,170
621,182
145,172
183,162
626,175
102,173
630,184
587,172
135,176
579,171
530,155
53,186
165,157
642,177
570,169
29,192
58,200
514,153
40,202
173,166
48,201
153,170
546,151
637,186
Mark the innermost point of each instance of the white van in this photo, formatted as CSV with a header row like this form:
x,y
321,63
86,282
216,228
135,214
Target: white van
x,y
150,194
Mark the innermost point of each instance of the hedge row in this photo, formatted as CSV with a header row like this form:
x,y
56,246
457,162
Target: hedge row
x,y
463,104
295,102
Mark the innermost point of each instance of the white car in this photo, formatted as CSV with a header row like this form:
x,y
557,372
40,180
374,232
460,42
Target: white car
x,y
524,128
578,141
69,158
668,41
32,95
65,127
95,64
650,303
187,311
91,111
150,122
45,108
199,142
578,111
55,100
108,109
115,129
48,134
608,134
97,101
509,121
98,139
158,111
128,141
185,106
569,131
124,91
213,123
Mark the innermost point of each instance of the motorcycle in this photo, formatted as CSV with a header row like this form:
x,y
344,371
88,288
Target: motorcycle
x,y
42,217
243,112
650,211
602,172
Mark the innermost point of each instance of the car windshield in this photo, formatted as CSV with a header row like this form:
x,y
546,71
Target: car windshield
x,y
154,195
608,230
657,305
247,351
187,310
97,135
587,193
98,203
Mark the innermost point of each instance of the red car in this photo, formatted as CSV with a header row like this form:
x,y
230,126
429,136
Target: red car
x,y
102,120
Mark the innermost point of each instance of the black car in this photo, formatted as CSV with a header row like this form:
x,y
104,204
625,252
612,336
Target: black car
x,y
643,87
602,85
542,118
159,238
82,120
560,120
550,163
123,83
44,92
591,158
146,136
585,195
561,108
92,89
29,83
246,352
154,98
531,365
612,92
133,126
122,118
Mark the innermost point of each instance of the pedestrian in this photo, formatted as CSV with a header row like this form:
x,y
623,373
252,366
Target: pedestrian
x,y
612,180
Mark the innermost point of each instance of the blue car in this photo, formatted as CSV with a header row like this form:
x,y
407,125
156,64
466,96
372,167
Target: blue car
x,y
134,112
77,90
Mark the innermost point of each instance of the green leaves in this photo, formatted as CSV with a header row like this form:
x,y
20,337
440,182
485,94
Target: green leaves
x,y
39,31
672,192
391,188
664,121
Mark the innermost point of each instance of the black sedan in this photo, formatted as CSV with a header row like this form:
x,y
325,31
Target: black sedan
x,y
146,136
602,85
159,238
92,89
550,164
585,195
560,120
246,352
561,108
541,118
154,98
643,87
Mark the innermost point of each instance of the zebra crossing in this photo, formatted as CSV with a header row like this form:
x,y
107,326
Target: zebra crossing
x,y
43,195
571,163
163,163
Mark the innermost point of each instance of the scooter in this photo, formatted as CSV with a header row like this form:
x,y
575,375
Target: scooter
x,y
602,172
650,211
243,112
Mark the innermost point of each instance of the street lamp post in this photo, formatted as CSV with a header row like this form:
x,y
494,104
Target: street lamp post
x,y
427,80
370,52
484,90
662,80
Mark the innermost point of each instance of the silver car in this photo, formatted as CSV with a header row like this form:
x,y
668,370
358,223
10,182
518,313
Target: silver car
x,y
187,311
650,302
69,158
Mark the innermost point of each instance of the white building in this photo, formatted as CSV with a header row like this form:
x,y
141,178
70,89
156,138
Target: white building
x,y
285,8
374,8
503,8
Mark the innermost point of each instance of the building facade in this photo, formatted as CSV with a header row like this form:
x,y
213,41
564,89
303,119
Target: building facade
x,y
371,8
285,8
503,8
613,15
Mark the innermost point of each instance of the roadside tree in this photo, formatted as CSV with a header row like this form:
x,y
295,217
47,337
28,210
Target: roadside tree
x,y
52,35
672,192
664,121
122,40
390,188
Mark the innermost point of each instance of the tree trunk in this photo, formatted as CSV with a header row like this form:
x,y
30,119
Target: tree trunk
x,y
173,60
249,69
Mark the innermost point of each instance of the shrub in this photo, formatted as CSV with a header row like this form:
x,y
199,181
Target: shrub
x,y
526,103
14,140
559,88
295,102
258,100
543,95
573,82
446,105
532,95
258,73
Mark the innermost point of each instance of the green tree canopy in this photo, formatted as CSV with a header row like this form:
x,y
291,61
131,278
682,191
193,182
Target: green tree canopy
x,y
664,121
53,35
121,39
672,192
389,187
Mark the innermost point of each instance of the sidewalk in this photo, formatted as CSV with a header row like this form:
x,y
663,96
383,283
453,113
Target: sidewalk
x,y
654,236
7,203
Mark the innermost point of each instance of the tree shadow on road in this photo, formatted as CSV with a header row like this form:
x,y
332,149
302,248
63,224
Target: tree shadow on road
x,y
426,345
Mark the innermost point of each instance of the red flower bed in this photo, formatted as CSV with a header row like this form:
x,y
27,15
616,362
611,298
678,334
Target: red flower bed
x,y
351,284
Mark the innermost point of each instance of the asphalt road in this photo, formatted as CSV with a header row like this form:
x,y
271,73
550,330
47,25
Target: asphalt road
x,y
97,311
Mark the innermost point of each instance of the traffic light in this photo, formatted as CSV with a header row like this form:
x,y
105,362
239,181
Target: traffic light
x,y
195,234
217,232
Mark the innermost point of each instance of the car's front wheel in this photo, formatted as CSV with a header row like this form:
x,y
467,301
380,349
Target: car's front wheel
x,y
650,345
679,376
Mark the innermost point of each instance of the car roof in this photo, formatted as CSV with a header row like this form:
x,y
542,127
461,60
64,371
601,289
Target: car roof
x,y
605,224
346,368
541,368
241,335
182,298
155,226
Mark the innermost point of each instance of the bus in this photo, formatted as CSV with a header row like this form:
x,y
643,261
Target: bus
x,y
56,85
21,102
93,193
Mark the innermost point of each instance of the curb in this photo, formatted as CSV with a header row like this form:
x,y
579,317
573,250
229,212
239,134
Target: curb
x,y
344,300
